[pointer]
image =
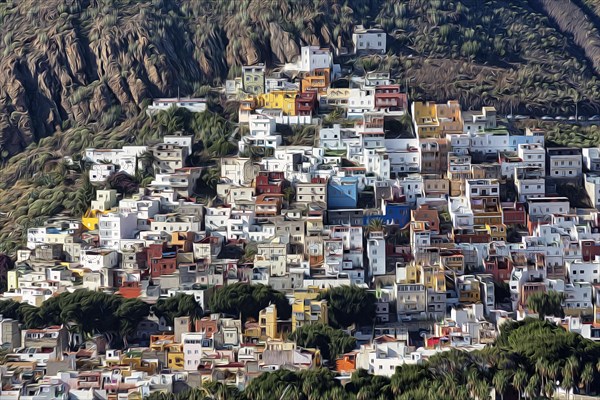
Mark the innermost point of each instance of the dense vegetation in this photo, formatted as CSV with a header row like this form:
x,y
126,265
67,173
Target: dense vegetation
x,y
246,301
88,313
527,360
349,305
547,304
330,341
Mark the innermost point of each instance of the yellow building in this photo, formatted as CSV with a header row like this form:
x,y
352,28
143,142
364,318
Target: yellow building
x,y
267,321
284,100
469,291
433,277
175,359
433,120
90,219
12,279
317,81
497,232
307,311
425,119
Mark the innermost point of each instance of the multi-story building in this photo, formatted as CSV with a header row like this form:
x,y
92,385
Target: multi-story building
x,y
371,40
563,163
253,79
306,311
529,182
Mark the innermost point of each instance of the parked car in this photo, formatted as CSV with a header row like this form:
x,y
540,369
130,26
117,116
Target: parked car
x,y
547,118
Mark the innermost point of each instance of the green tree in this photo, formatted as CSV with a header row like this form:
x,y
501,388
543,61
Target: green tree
x,y
247,301
130,313
546,303
587,376
180,305
349,305
332,342
519,381
501,382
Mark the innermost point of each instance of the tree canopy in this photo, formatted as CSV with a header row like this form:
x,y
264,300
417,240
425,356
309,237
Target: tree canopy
x,y
349,305
247,301
549,303
332,342
177,306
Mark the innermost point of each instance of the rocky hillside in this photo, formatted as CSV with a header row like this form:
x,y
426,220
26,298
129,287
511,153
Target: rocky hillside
x,y
68,63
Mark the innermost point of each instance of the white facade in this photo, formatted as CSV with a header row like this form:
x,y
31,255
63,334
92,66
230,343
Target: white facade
x,y
96,260
592,187
216,218
546,206
376,253
195,345
116,226
404,155
564,165
262,133
191,104
311,58
478,121
591,158
533,155
181,182
584,271
529,182
369,40
101,172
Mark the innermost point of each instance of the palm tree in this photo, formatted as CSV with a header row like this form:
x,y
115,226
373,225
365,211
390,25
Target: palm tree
x,y
541,368
533,386
587,377
519,381
501,380
375,225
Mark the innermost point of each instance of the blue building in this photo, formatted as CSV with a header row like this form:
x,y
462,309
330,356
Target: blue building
x,y
342,193
393,214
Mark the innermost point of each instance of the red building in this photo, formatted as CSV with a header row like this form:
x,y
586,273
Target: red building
x,y
514,214
306,104
161,260
269,182
589,249
388,97
499,266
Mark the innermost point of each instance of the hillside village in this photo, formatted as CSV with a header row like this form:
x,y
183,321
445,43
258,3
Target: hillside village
x,y
450,218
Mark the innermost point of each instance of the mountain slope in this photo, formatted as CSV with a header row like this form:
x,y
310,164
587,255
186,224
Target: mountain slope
x,y
78,73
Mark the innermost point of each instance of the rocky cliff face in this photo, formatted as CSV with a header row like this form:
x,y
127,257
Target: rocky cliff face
x,y
67,63
75,60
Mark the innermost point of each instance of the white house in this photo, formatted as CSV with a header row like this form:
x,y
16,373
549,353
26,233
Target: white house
x,y
544,207
369,40
564,162
182,181
192,104
404,155
195,345
592,187
591,159
98,259
477,121
101,172
532,155
116,226
376,253
311,58
262,133
529,182
584,271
